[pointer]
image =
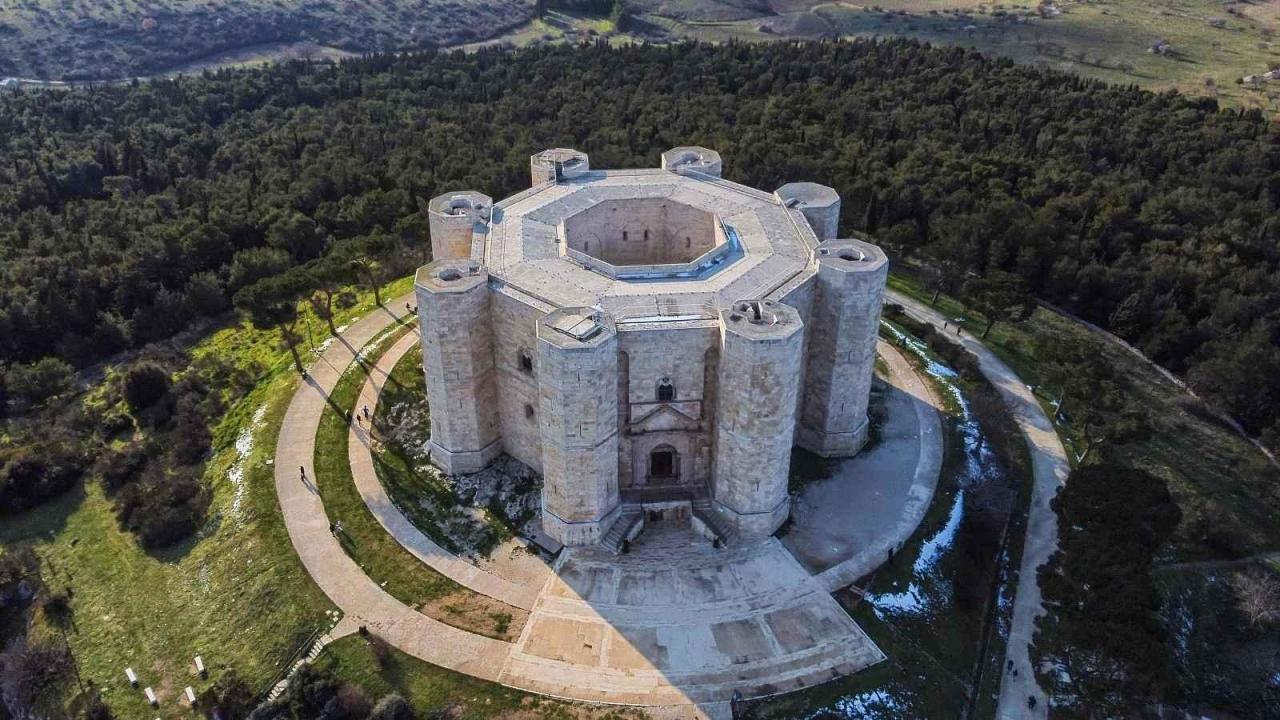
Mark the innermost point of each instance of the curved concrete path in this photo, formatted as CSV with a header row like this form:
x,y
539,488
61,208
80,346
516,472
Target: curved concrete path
x,y
375,497
768,626
338,576
1050,469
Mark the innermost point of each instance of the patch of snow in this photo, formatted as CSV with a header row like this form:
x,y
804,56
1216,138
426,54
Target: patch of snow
x,y
244,447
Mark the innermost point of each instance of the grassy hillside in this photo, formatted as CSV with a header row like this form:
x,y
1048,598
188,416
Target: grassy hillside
x,y
1213,43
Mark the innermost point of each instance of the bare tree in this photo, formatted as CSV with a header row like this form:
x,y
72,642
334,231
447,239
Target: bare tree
x,y
1258,596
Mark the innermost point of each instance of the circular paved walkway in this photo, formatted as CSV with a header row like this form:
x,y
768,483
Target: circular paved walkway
x,y
670,625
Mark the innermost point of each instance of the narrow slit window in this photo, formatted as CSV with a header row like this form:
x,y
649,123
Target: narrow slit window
x,y
526,361
666,391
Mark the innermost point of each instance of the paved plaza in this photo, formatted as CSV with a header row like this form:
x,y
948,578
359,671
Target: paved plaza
x,y
676,620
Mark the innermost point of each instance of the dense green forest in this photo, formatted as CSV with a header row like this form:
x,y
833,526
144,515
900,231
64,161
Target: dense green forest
x,y
130,210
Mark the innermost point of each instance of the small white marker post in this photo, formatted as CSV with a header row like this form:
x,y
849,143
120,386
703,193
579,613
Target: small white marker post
x,y
151,697
132,676
191,696
200,667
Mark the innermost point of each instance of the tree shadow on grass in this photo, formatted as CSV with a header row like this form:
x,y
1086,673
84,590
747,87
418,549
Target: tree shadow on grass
x,y
44,521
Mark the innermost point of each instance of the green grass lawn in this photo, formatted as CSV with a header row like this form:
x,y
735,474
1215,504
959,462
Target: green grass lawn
x,y
236,593
384,560
436,692
401,460
1228,492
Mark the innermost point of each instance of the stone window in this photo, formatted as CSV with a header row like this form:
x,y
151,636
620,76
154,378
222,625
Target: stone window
x,y
526,361
666,391
528,411
624,236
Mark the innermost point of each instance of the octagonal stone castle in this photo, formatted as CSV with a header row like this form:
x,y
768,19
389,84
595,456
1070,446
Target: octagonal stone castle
x,y
654,338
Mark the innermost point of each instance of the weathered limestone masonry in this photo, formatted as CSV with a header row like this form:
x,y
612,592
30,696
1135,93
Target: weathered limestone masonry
x,y
457,345
647,339
850,293
578,405
452,218
760,352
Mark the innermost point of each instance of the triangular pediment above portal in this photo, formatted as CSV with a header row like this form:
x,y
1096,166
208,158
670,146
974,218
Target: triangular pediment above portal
x,y
660,417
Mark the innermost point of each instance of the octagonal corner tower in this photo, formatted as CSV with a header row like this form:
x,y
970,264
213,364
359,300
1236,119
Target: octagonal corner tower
x,y
594,328
452,219
691,158
557,165
578,423
848,296
819,204
761,350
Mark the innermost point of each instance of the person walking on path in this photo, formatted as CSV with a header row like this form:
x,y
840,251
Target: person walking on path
x,y
365,410
302,472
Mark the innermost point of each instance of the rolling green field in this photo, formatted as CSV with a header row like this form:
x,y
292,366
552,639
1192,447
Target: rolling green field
x,y
1108,39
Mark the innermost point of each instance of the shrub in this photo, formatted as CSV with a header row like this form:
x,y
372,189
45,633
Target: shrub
x,y
32,674
191,437
392,707
162,508
19,575
35,473
144,385
230,697
119,467
41,380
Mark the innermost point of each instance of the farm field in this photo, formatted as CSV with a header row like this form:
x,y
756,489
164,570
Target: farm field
x,y
1211,46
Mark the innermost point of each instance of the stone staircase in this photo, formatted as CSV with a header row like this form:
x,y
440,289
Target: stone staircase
x,y
617,535
703,510
316,648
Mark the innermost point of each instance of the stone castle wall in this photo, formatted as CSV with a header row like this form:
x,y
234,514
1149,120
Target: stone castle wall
x,y
576,397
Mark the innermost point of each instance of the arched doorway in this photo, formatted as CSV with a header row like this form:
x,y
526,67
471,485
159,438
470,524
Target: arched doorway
x,y
664,465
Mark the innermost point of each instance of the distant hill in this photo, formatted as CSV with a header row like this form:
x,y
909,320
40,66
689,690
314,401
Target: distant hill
x,y
73,40
1225,49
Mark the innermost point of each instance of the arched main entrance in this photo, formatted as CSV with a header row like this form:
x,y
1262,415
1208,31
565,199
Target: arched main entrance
x,y
664,465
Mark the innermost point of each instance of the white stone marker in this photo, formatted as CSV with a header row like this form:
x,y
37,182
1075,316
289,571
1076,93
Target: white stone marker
x,y
132,676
